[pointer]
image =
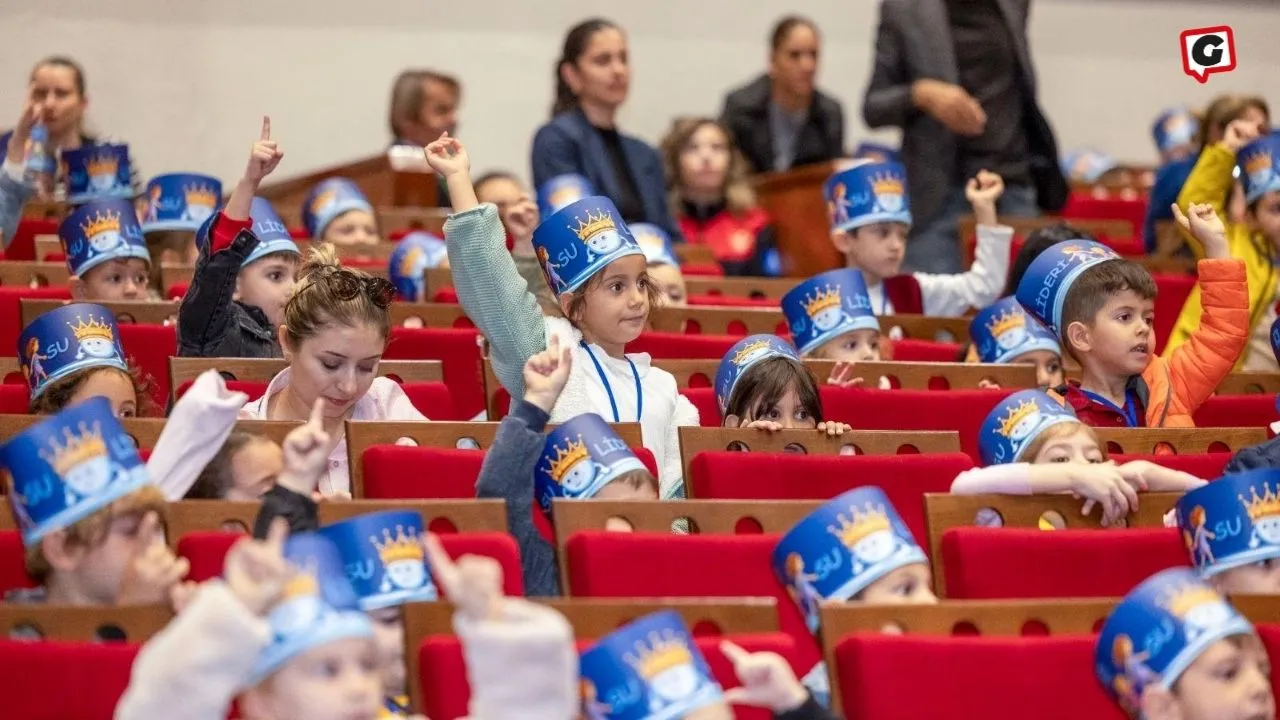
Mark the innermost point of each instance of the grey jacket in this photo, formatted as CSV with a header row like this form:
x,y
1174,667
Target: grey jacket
x,y
13,195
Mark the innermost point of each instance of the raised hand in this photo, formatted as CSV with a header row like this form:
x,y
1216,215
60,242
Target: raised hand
x,y
1240,133
447,156
473,583
32,113
982,192
1202,221
256,571
546,373
842,375
767,680
264,156
306,450
153,570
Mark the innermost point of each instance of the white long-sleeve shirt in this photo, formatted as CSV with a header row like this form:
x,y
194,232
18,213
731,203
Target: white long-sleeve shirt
x,y
954,295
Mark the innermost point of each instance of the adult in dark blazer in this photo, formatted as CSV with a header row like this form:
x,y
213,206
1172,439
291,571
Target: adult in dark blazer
x,y
781,120
592,78
956,76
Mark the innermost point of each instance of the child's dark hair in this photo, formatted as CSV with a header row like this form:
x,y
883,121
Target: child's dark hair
x,y
57,394
216,478
1036,243
1096,285
578,298
764,384
575,45
493,175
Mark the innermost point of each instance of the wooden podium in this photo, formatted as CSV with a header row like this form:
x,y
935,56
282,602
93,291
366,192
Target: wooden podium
x,y
384,187
794,201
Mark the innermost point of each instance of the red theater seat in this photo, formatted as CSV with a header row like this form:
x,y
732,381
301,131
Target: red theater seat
x,y
11,312
962,410
14,399
1202,465
731,301
59,680
1237,411
1171,295
150,347
459,352
678,346
13,563
909,350
704,399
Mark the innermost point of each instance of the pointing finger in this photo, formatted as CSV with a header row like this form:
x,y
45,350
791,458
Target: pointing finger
x,y
266,128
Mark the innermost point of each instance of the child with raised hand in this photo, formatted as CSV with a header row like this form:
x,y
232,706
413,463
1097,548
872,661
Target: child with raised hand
x,y
524,464
870,217
1033,444
1004,333
1174,649
336,211
600,278
16,186
762,383
1230,529
1254,242
245,273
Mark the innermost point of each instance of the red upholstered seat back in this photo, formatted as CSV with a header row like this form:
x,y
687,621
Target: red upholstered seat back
x,y
149,347
11,312
962,410
911,350
1202,465
1171,294
459,352
14,399
13,563
57,680
1015,563
1237,411
704,399
675,346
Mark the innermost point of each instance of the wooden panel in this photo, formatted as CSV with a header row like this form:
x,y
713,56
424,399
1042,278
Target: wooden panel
x,y
24,273
47,245
9,365
136,624
798,210
45,210
744,287
692,254
694,440
439,515
185,369
372,174
430,219
1142,441
146,312
1250,383
750,321
433,315
144,431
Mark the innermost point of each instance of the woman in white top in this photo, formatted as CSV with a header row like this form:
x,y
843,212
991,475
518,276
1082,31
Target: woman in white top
x,y
336,325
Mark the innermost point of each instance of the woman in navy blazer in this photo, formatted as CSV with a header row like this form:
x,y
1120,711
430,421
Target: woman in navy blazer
x,y
592,78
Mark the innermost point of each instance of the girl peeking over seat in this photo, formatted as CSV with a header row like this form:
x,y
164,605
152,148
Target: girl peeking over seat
x,y
1006,334
762,383
335,211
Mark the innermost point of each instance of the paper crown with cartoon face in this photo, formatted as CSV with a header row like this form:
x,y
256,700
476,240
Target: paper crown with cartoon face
x,y
579,458
1258,166
70,466
579,240
826,306
744,355
97,172
1174,127
412,256
842,547
868,192
67,340
1004,331
99,231
181,201
273,235
327,200
656,244
562,190
1044,287
878,152
318,606
1087,165
1158,630
650,669
384,557
1232,521
1016,422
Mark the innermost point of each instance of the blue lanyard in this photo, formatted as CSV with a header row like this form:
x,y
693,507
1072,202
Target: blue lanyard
x,y
609,389
1129,411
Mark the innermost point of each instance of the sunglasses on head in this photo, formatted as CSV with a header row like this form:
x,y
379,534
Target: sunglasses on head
x,y
347,286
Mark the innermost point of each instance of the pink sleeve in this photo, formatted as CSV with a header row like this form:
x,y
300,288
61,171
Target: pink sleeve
x,y
1008,479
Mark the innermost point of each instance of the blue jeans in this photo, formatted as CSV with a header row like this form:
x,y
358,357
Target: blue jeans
x,y
933,246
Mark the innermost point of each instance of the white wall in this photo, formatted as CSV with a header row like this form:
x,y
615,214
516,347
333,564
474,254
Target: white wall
x,y
185,81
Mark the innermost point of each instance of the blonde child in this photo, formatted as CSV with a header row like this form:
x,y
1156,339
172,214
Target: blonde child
x,y
335,211
1174,649
601,282
870,217
664,268
412,256
762,383
830,317
1231,532
176,205
245,273
106,254
1004,333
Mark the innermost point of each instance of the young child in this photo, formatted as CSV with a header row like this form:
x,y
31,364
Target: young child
x,y
336,211
1005,334
581,459
664,268
1230,528
830,318
600,279
870,216
91,521
245,273
520,213
1102,306
106,254
1176,649
1174,132
244,469
73,353
762,383
176,206
1254,242
1031,443
1089,166
412,256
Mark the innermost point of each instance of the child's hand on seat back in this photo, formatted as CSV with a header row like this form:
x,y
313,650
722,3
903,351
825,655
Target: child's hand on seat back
x,y
1204,224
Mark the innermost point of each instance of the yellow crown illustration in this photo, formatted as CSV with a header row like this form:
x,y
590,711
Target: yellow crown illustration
x,y
1185,599
101,222
80,447
200,194
567,457
303,584
662,652
1024,410
404,546
822,300
859,524
595,223
409,261
886,185
1261,506
94,329
1259,162
1004,322
104,164
748,350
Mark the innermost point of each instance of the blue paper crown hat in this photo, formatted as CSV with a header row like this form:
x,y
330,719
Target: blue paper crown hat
x,y
273,236
70,466
67,340
579,458
318,606
1087,165
1158,630
1044,287
181,201
877,151
1004,331
384,558
839,549
650,669
563,190
1258,167
99,231
97,172
744,354
656,244
826,306
1232,521
327,200
1016,422
579,240
1174,127
412,256
868,192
